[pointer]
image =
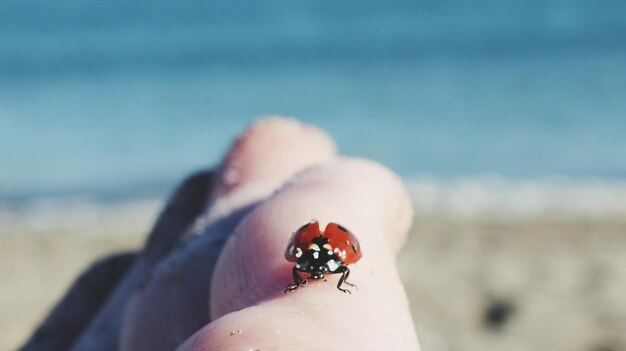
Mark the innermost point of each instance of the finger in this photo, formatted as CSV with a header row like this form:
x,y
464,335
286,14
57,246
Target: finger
x,y
259,162
252,271
360,195
269,152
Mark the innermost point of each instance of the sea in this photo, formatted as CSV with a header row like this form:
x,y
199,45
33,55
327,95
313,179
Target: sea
x,y
483,107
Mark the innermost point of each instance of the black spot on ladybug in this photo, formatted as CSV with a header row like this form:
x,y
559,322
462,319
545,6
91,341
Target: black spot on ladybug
x,y
354,248
342,228
497,314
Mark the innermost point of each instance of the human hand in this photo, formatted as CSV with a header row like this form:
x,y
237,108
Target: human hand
x,y
213,272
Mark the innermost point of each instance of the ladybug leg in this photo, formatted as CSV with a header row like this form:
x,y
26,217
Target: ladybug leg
x,y
297,281
345,273
345,280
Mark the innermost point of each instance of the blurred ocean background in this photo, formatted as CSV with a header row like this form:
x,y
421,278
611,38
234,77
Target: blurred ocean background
x,y
513,109
123,98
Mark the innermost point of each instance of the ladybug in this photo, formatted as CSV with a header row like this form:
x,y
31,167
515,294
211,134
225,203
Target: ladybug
x,y
317,253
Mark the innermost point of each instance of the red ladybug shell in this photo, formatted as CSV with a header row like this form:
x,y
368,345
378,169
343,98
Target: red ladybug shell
x,y
344,244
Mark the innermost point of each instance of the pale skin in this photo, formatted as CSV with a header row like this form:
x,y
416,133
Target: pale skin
x,y
223,289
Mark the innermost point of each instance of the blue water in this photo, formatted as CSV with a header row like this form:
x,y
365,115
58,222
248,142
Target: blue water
x,y
122,97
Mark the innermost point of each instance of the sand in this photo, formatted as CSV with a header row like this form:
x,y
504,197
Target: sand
x,y
532,284
474,284
37,269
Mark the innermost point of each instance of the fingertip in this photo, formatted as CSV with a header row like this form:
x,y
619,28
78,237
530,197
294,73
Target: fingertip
x,y
265,156
373,190
270,151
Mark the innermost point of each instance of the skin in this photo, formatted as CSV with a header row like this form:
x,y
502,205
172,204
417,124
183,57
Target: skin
x,y
218,285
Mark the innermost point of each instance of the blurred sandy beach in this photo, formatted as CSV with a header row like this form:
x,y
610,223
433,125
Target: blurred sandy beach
x,y
491,264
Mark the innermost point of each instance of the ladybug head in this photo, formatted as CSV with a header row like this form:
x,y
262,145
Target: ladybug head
x,y
318,259
320,241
